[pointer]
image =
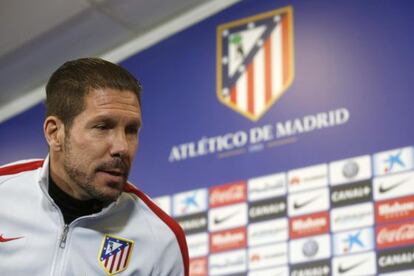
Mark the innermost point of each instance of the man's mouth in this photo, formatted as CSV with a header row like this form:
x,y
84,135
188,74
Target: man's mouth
x,y
117,173
114,171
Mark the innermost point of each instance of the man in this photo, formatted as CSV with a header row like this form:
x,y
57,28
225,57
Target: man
x,y
74,213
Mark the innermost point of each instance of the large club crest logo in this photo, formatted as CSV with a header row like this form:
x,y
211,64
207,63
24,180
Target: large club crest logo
x,y
255,61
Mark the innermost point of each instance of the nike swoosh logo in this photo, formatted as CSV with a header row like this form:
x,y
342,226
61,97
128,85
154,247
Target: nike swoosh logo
x,y
383,190
2,239
303,204
343,270
222,219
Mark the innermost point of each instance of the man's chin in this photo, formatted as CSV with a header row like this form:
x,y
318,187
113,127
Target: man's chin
x,y
108,197
113,190
106,192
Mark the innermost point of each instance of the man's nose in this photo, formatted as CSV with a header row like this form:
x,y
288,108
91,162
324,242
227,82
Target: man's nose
x,y
119,144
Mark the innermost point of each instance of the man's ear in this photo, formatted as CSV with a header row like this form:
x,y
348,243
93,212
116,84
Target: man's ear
x,y
54,131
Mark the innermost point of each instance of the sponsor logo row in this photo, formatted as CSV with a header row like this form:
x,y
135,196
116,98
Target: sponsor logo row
x,y
296,211
273,186
325,245
321,220
271,260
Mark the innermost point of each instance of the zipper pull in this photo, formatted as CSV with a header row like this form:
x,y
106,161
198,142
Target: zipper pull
x,y
64,236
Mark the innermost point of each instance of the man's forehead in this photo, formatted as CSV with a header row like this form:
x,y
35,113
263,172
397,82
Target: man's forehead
x,y
112,99
110,104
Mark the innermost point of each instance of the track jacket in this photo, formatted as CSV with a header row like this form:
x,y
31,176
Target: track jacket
x,y
131,236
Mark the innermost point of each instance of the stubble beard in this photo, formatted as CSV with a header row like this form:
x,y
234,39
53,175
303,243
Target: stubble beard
x,y
82,180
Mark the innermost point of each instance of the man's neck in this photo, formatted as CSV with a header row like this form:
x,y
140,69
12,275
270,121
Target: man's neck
x,y
72,208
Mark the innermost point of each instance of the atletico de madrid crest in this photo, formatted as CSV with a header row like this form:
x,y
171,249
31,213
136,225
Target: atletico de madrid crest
x,y
255,61
115,254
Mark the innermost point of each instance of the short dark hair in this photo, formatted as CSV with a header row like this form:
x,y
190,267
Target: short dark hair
x,y
71,82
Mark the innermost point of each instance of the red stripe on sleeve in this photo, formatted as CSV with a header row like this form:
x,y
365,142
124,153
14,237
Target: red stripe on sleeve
x,y
17,168
172,224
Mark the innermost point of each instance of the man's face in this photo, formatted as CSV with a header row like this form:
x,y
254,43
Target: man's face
x,y
100,145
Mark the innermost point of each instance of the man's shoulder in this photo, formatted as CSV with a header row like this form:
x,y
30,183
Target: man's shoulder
x,y
157,211
20,166
173,226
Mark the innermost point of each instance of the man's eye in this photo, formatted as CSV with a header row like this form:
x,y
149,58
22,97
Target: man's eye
x,y
132,130
101,127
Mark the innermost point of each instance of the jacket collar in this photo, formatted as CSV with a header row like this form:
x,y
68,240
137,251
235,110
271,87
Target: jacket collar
x,y
43,173
43,180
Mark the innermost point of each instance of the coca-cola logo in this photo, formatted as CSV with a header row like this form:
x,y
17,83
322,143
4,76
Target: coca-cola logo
x,y
228,194
394,235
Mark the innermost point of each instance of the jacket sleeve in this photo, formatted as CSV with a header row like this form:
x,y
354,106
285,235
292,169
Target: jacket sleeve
x,y
172,261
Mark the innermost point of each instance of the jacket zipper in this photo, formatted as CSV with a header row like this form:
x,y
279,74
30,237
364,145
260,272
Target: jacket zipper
x,y
63,237
59,257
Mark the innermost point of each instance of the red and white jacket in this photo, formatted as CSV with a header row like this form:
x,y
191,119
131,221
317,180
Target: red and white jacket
x,y
131,236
